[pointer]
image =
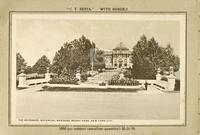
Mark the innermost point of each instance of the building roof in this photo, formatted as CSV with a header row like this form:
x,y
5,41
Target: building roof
x,y
121,46
107,52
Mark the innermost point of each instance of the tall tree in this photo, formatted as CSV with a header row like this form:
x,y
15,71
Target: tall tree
x,y
41,65
99,59
20,63
73,55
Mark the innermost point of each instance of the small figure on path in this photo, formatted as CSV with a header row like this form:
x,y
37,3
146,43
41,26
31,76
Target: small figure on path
x,y
146,85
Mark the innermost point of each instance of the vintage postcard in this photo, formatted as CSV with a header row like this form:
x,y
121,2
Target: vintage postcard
x,y
70,68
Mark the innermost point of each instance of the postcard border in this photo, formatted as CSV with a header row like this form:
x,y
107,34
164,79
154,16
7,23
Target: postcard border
x,y
93,12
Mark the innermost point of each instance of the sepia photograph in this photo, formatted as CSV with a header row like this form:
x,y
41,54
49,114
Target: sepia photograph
x,y
97,68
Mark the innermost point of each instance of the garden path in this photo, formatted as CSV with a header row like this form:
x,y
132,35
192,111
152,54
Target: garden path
x,y
101,77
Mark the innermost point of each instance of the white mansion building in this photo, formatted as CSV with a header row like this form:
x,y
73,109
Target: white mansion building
x,y
119,57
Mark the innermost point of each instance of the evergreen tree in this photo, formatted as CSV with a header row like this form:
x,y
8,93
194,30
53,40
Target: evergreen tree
x,y
73,55
28,70
20,63
41,65
147,56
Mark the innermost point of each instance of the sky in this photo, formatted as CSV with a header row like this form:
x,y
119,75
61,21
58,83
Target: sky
x,y
37,37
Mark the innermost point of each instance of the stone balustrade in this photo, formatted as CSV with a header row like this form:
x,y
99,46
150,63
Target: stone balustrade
x,y
24,83
168,85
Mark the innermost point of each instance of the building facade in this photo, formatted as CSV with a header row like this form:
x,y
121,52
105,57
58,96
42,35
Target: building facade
x,y
119,57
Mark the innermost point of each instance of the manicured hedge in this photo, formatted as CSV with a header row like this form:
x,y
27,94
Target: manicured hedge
x,y
63,80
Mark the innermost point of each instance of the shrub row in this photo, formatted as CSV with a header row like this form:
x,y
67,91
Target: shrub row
x,y
123,82
36,77
64,80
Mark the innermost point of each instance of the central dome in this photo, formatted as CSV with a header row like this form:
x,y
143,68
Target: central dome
x,y
120,46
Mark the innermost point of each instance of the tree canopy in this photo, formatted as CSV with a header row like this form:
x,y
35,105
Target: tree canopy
x,y
29,70
147,56
41,65
73,55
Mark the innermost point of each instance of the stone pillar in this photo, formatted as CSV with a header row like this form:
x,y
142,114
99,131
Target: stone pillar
x,y
171,80
48,75
22,81
158,76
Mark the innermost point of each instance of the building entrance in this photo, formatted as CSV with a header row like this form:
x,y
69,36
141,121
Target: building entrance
x,y
120,62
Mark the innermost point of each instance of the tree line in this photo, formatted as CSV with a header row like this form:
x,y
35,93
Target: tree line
x,y
72,56
147,56
39,67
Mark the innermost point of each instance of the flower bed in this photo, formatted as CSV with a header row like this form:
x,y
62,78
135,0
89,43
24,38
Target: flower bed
x,y
123,82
